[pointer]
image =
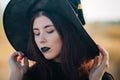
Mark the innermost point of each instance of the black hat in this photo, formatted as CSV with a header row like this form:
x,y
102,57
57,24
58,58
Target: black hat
x,y
76,4
16,22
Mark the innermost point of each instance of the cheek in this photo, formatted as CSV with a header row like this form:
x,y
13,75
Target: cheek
x,y
56,42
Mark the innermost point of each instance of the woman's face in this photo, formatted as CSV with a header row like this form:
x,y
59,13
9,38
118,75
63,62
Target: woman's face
x,y
47,37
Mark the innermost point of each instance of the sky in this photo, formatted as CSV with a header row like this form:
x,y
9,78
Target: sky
x,y
93,10
101,9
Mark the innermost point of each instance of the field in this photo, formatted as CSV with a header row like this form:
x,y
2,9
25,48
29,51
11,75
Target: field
x,y
108,36
105,34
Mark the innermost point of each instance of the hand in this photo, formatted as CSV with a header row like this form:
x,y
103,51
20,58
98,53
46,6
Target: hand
x,y
98,70
18,68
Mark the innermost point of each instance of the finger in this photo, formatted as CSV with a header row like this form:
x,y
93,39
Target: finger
x,y
103,51
105,58
14,57
105,55
26,61
20,53
96,61
21,56
26,64
16,54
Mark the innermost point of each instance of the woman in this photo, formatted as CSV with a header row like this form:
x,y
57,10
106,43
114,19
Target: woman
x,y
59,48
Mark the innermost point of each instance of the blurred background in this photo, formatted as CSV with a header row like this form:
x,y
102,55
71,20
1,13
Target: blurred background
x,y
102,23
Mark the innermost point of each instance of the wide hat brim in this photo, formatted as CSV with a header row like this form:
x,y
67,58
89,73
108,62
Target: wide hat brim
x,y
16,21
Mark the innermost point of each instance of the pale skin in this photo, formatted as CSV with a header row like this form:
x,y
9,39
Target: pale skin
x,y
46,35
19,63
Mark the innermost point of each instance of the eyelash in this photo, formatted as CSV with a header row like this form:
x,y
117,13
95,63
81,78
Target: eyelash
x,y
50,31
37,34
47,32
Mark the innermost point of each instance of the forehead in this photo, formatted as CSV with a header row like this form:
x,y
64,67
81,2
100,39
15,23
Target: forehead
x,y
41,21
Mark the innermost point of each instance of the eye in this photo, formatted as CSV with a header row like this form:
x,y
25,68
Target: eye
x,y
36,32
50,31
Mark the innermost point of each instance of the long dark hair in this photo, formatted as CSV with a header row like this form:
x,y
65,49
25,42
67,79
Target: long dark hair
x,y
74,52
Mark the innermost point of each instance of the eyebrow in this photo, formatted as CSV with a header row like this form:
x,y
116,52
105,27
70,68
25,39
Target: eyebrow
x,y
44,27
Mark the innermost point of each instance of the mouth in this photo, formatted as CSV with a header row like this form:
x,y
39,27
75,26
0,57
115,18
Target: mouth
x,y
45,49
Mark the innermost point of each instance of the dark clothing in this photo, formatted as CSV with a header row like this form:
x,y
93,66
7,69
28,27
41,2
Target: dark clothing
x,y
33,74
107,76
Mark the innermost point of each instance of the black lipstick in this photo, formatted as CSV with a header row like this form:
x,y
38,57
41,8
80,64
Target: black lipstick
x,y
45,49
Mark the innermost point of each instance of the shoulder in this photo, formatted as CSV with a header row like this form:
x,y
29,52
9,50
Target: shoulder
x,y
107,76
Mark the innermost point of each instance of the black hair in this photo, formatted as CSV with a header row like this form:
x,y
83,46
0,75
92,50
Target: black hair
x,y
74,52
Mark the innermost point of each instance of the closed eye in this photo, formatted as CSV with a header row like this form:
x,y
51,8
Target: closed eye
x,y
50,31
36,32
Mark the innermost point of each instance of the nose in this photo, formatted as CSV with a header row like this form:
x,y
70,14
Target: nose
x,y
42,38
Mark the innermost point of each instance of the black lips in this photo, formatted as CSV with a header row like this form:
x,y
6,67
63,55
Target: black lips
x,y
45,49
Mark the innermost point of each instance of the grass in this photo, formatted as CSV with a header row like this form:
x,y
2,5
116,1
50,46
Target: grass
x,y
108,35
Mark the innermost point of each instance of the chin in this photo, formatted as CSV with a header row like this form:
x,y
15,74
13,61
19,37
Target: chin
x,y
49,58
